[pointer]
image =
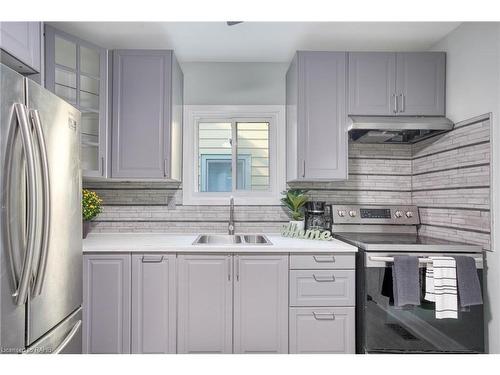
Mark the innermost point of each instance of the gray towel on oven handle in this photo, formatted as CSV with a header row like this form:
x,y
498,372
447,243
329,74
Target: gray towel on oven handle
x,y
406,281
469,288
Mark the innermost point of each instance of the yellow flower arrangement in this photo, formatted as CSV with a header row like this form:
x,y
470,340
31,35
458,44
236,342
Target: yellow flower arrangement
x,y
91,204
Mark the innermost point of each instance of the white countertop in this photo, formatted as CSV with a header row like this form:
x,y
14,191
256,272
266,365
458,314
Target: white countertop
x,y
181,243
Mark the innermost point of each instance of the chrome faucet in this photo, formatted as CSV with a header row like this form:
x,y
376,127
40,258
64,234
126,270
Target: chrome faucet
x,y
230,224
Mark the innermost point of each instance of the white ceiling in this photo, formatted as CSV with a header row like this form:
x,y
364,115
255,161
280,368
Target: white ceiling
x,y
259,41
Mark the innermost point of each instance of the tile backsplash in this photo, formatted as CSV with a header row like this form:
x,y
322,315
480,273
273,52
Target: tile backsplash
x,y
451,183
446,176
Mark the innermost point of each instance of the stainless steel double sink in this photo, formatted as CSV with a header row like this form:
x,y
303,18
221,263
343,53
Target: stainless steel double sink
x,y
235,239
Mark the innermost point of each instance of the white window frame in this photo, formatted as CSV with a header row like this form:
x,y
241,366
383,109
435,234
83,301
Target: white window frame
x,y
274,114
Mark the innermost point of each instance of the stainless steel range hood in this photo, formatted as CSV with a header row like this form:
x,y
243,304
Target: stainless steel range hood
x,y
400,129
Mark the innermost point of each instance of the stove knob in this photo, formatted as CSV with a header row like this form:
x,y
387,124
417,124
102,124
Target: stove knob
x,y
409,214
341,213
398,214
352,213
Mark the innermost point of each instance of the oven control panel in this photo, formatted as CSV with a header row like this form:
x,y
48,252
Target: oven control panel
x,y
366,214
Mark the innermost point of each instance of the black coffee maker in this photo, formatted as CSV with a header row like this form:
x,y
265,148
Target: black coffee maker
x,y
317,216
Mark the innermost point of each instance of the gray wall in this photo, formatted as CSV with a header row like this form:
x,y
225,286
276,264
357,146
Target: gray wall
x,y
226,83
472,89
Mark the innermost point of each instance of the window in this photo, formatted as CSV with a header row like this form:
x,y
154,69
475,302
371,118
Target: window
x,y
244,144
233,151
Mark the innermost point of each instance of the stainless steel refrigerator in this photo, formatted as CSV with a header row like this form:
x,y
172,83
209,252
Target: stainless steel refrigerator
x,y
41,231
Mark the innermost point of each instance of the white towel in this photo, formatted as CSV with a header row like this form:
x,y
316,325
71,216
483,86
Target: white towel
x,y
441,286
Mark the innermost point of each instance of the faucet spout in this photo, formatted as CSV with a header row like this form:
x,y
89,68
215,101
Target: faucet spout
x,y
230,226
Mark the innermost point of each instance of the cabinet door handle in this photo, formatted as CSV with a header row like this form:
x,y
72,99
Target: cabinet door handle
x,y
321,279
229,268
324,259
102,166
403,104
324,316
395,101
304,168
152,259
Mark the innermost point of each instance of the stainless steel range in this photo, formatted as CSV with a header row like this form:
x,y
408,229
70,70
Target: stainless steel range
x,y
380,233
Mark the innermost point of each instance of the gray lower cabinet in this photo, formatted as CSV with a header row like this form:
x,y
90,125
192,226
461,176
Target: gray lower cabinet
x,y
218,303
260,304
316,117
322,303
205,303
106,303
322,288
154,303
322,330
20,44
147,115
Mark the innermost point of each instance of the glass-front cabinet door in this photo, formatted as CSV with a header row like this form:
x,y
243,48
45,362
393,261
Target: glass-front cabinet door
x,y
77,72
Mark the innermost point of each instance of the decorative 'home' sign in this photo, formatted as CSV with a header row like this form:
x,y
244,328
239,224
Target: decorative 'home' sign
x,y
292,231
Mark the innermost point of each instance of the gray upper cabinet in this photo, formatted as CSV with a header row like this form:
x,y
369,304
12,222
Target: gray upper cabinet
x,y
372,79
77,71
106,303
147,115
397,84
205,304
316,116
153,303
420,83
260,304
20,44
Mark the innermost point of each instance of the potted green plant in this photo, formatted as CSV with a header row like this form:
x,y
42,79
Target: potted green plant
x,y
294,200
91,207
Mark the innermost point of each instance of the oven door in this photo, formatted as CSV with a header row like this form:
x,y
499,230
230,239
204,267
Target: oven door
x,y
386,329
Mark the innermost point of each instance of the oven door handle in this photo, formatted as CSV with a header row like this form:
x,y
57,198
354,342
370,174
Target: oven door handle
x,y
380,261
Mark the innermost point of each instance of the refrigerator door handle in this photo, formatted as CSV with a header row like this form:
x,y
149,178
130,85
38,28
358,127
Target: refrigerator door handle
x,y
68,338
22,283
44,248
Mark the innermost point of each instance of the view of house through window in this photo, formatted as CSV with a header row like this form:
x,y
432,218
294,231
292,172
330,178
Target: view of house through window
x,y
242,145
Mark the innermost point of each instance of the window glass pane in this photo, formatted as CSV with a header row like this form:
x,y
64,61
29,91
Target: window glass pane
x,y
89,61
89,101
65,52
67,93
65,78
90,157
90,123
253,155
89,84
214,157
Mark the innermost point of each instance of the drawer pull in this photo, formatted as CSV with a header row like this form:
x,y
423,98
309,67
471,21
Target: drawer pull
x,y
324,259
152,259
324,316
321,279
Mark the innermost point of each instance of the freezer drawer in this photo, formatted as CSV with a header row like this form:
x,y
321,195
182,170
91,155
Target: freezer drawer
x,y
322,288
66,338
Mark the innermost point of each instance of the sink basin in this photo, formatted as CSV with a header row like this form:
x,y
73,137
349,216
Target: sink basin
x,y
237,239
256,239
217,239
